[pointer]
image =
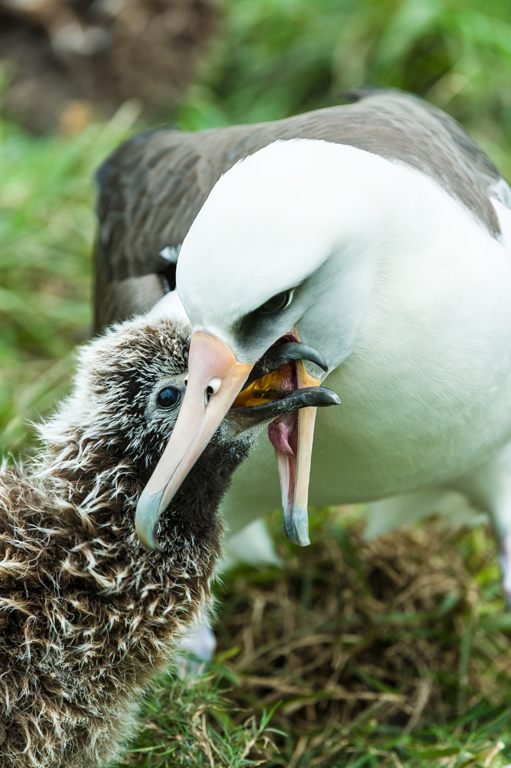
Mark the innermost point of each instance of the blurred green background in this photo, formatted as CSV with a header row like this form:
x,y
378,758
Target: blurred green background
x,y
269,59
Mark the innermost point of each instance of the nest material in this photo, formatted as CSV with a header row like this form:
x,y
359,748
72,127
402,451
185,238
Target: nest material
x,y
364,648
64,56
354,631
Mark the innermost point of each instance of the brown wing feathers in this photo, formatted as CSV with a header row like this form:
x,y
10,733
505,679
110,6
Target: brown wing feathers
x,y
152,188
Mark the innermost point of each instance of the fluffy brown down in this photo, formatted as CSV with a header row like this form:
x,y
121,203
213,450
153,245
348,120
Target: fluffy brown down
x,y
88,616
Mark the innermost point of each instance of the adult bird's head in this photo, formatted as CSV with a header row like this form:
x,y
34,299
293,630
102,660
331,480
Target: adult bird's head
x,y
271,282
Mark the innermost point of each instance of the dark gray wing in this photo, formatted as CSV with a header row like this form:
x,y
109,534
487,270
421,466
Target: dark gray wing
x,y
407,128
152,188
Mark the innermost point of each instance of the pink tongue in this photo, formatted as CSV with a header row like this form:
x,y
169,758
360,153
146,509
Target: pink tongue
x,y
281,434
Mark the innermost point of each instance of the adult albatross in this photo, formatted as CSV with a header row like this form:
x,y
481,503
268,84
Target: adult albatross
x,y
378,235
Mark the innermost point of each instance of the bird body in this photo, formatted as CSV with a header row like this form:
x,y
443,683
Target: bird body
x,y
426,398
88,616
384,233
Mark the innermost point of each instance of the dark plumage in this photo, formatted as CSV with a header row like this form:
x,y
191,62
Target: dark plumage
x,y
88,616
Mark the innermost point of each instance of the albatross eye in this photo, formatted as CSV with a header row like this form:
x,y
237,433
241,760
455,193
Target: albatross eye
x,y
276,303
168,398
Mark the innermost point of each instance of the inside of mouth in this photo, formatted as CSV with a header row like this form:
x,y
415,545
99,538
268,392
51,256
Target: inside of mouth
x,y
283,431
284,379
266,388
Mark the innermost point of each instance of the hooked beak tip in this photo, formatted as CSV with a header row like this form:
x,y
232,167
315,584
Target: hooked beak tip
x,y
146,517
297,528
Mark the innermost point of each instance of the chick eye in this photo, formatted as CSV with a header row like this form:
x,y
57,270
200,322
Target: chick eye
x,y
168,398
276,303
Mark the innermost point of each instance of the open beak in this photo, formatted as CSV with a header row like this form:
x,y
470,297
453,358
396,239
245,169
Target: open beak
x,y
293,450
215,378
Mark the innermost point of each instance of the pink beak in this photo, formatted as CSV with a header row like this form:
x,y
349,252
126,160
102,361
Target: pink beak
x,y
214,379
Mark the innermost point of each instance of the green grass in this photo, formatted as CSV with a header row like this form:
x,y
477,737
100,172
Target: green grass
x,y
46,234
279,57
191,723
274,58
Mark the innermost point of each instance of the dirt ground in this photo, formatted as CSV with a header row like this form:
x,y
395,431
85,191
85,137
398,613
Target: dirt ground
x,y
67,61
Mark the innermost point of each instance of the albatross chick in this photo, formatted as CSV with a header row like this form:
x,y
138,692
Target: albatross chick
x,y
88,614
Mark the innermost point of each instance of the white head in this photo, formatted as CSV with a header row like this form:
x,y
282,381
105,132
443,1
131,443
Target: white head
x,y
270,225
281,250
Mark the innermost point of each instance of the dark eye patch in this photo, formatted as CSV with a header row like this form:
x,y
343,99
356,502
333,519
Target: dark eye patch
x,y
168,398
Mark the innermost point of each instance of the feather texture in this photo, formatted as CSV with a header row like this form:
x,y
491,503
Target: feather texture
x,y
87,615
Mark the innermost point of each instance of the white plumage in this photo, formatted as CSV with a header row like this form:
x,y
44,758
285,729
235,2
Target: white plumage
x,y
405,294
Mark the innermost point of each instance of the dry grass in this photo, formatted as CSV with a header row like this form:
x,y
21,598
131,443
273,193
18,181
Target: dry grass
x,y
398,649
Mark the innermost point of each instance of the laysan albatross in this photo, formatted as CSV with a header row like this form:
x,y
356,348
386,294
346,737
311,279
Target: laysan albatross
x,y
378,234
